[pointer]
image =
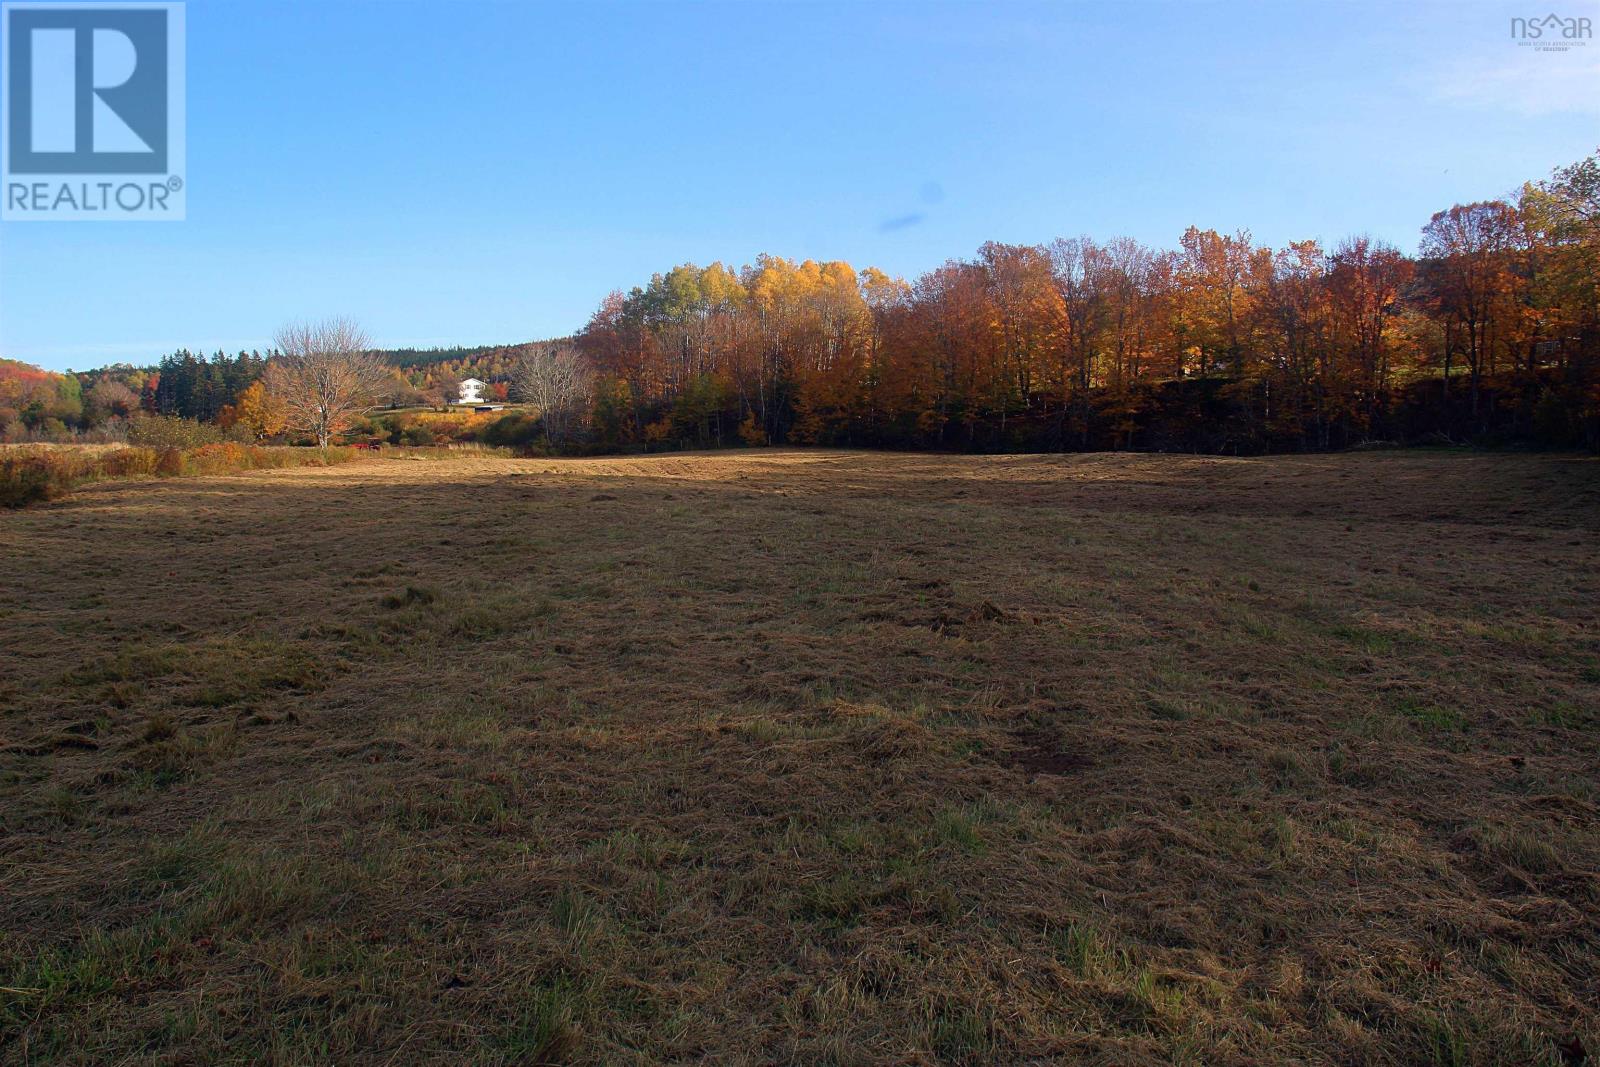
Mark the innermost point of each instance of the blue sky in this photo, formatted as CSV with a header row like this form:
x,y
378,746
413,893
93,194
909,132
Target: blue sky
x,y
478,172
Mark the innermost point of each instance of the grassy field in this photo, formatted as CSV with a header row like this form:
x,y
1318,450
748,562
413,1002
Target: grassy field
x,y
807,757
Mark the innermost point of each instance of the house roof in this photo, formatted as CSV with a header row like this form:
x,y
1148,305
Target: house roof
x,y
473,381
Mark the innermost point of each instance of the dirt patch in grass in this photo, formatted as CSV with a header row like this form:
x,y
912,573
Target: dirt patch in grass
x,y
809,757
1038,752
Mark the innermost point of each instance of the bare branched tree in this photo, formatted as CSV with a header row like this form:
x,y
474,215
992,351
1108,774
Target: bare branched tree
x,y
555,380
325,375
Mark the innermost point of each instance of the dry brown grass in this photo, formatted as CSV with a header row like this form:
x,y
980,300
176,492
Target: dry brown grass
x,y
806,757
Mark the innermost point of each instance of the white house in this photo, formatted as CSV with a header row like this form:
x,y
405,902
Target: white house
x,y
470,391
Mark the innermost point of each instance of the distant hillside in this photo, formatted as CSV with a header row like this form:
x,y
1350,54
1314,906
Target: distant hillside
x,y
37,404
407,358
404,358
16,370
35,400
429,371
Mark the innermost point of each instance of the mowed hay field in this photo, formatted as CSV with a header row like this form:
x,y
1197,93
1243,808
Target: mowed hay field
x,y
807,757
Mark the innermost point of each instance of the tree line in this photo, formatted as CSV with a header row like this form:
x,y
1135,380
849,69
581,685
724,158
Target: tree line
x,y
1490,332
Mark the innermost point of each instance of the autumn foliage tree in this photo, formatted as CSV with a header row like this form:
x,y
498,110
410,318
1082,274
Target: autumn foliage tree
x,y
1469,252
258,414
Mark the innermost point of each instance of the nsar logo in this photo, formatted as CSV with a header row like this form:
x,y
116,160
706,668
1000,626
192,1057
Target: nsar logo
x,y
1552,33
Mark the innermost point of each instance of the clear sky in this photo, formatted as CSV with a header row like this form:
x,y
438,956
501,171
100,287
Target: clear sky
x,y
480,172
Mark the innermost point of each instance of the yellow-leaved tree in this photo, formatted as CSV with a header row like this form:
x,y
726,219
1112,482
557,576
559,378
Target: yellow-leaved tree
x,y
257,412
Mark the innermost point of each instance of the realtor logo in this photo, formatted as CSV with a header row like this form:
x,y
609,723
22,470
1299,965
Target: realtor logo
x,y
93,112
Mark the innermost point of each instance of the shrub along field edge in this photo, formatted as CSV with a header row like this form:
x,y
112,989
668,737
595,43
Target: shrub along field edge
x,y
32,475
